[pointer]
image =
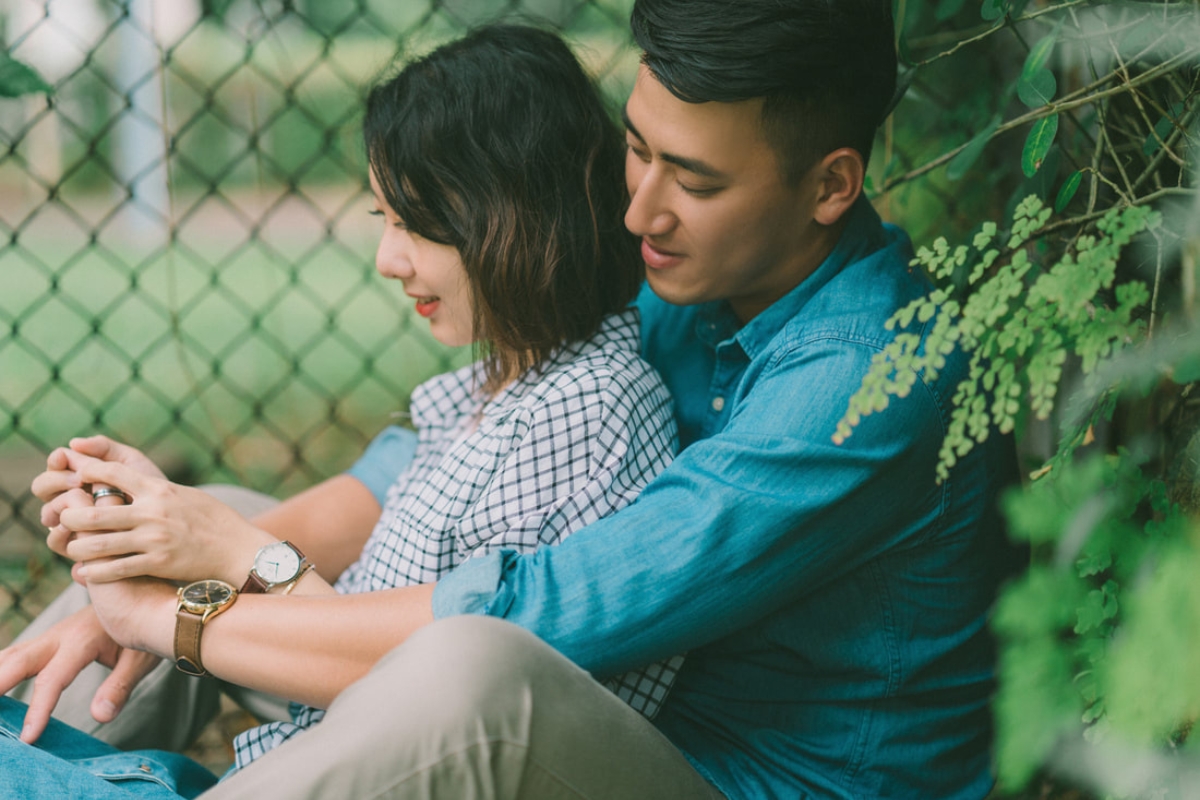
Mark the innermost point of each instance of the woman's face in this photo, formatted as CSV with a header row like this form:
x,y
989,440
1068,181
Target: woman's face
x,y
432,274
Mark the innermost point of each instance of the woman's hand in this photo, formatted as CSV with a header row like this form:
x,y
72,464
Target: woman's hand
x,y
167,531
59,478
56,658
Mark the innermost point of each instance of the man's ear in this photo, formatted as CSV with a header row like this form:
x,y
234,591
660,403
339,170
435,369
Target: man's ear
x,y
840,179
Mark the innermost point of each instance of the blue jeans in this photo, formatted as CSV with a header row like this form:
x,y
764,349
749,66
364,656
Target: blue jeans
x,y
66,763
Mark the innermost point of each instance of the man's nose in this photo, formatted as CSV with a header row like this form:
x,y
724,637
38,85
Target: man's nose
x,y
649,214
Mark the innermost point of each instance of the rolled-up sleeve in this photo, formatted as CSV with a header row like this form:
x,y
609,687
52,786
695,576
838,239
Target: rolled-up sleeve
x,y
388,454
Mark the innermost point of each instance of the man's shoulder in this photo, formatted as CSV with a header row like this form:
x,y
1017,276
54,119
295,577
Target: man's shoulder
x,y
855,304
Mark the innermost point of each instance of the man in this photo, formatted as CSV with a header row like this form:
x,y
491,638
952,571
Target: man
x,y
832,599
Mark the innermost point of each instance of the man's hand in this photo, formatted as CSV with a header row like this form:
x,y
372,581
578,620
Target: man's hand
x,y
56,658
138,613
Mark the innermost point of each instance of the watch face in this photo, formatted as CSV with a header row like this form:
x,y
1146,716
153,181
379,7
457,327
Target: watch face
x,y
206,594
277,563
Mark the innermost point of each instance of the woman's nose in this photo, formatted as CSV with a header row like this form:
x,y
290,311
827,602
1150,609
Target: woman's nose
x,y
391,258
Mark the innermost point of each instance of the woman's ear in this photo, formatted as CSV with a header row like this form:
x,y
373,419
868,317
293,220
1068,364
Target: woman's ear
x,y
840,180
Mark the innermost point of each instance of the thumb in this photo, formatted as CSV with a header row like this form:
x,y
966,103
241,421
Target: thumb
x,y
97,446
127,673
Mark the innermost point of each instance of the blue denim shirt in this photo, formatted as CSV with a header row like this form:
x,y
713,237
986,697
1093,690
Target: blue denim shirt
x,y
833,600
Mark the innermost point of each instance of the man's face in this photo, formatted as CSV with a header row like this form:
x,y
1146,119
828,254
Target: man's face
x,y
709,200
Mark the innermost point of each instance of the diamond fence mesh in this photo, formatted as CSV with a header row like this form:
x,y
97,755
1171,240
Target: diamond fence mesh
x,y
186,261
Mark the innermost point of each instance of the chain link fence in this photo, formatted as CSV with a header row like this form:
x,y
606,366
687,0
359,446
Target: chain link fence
x,y
186,261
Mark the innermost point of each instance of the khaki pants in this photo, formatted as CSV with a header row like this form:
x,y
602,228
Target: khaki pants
x,y
474,707
168,709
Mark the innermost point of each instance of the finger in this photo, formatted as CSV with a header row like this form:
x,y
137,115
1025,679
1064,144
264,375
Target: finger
x,y
58,540
105,500
83,520
107,570
112,473
73,498
52,483
17,663
47,688
76,570
88,546
57,459
52,509
110,698
105,449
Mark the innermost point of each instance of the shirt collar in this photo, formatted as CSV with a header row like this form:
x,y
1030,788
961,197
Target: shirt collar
x,y
862,235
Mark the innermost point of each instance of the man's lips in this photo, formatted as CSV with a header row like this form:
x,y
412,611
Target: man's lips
x,y
658,259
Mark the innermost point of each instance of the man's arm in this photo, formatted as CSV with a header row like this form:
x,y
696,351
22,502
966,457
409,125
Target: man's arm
x,y
739,525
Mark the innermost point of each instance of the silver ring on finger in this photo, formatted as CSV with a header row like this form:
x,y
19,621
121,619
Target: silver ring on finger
x,y
109,491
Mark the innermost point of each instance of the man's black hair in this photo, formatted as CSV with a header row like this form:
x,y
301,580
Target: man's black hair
x,y
826,69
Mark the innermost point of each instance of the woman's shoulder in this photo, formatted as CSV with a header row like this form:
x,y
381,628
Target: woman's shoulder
x,y
607,366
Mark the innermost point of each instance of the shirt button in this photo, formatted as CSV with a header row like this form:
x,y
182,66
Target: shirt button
x,y
718,404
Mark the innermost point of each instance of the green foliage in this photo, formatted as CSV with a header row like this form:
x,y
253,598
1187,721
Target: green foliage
x,y
1088,634
1019,323
17,79
966,159
1088,108
1038,144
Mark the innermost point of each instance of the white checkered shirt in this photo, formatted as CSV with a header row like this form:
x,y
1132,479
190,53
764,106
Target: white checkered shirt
x,y
554,451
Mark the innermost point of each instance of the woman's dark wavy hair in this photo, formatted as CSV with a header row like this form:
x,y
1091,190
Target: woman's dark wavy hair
x,y
825,68
499,145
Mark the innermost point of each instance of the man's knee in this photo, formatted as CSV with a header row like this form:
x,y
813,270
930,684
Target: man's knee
x,y
465,668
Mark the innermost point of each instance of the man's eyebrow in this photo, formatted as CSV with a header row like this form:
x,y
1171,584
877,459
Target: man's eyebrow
x,y
693,165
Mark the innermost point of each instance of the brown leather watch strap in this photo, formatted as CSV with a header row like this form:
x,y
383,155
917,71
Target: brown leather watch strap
x,y
254,584
188,627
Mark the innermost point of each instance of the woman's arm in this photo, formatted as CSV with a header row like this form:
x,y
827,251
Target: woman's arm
x,y
182,533
329,522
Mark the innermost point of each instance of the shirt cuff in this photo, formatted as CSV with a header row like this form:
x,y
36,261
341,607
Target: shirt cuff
x,y
388,454
476,587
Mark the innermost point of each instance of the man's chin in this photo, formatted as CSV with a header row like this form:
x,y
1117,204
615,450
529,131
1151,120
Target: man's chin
x,y
673,292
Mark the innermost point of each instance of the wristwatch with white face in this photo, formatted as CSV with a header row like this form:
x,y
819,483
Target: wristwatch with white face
x,y
275,564
198,603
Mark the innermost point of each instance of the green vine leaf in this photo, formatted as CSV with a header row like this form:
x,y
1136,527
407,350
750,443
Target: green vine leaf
x,y
1037,85
1037,89
993,9
1067,192
1039,54
1162,129
947,9
1038,143
962,162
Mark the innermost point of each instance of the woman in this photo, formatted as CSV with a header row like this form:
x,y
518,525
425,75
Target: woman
x,y
499,179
